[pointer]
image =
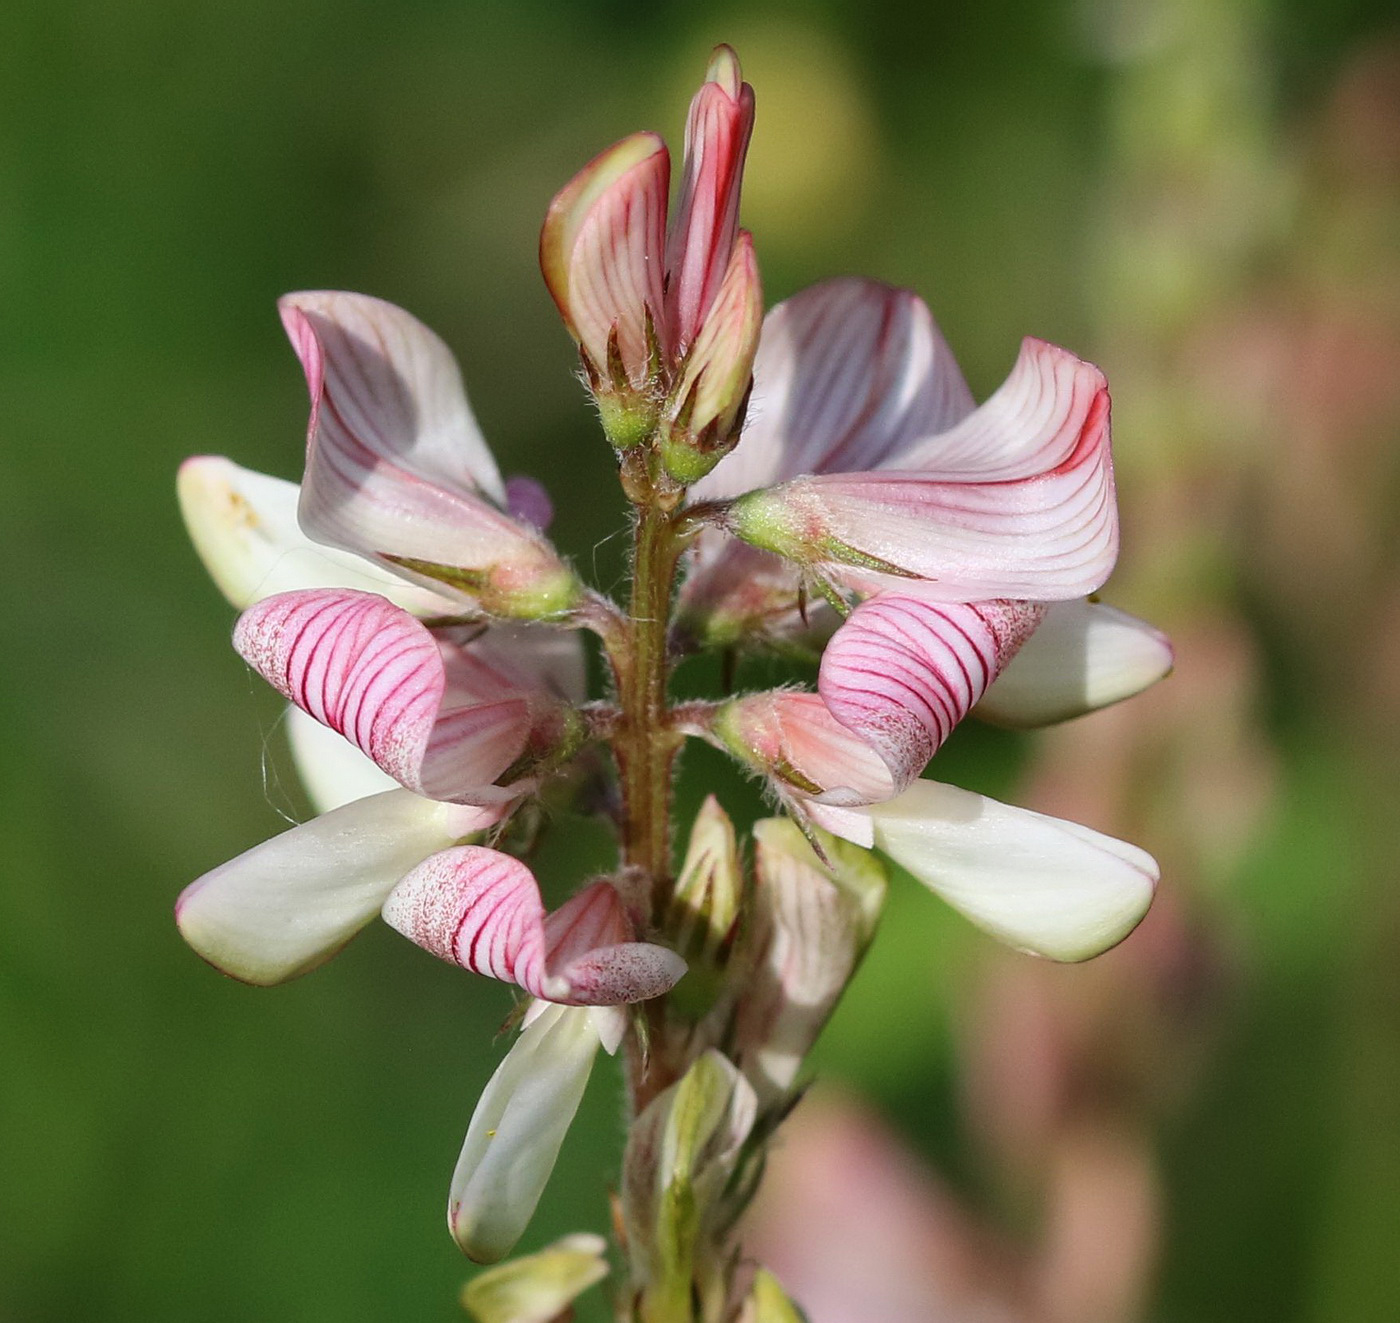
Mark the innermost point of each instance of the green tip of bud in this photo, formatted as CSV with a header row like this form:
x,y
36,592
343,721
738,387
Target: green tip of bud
x,y
769,1303
705,902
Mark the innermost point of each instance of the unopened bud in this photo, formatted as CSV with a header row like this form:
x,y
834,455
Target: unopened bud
x,y
601,252
705,411
537,1288
705,902
681,1153
814,920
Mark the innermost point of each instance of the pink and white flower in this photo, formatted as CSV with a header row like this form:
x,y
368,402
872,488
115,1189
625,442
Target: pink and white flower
x,y
963,533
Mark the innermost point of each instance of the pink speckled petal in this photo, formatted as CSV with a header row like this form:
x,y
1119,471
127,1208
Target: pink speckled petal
x,y
430,713
902,672
481,909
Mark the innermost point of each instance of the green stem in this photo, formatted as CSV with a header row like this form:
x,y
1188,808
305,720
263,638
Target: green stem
x,y
645,746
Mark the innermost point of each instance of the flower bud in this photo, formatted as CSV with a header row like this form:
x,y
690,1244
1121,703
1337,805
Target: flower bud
x,y
681,1153
537,1288
814,920
705,902
705,411
601,252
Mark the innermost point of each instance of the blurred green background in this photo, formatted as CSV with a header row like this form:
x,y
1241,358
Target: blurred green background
x,y
1203,195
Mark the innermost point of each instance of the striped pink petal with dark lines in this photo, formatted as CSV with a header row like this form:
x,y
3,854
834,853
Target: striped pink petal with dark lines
x,y
902,672
428,712
481,909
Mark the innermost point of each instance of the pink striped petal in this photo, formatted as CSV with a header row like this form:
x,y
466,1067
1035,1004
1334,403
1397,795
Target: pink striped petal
x,y
430,713
1047,535
1085,655
601,251
395,463
902,672
706,221
285,906
847,373
794,739
481,909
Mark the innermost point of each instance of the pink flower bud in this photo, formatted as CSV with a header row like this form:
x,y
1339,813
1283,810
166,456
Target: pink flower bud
x,y
705,410
703,229
600,251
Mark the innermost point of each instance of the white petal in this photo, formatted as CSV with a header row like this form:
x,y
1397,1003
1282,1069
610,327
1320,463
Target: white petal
x,y
517,1130
244,526
1040,884
1084,656
332,770
289,904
